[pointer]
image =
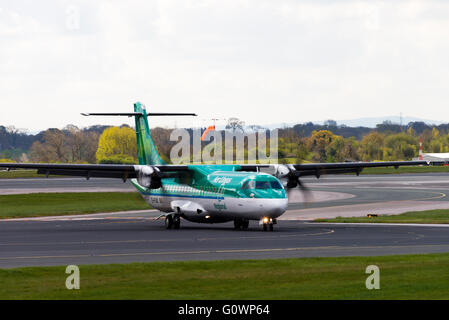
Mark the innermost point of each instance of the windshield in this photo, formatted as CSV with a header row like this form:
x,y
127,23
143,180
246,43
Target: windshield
x,y
262,185
275,185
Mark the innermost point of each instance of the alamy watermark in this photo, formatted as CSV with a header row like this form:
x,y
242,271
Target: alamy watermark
x,y
373,281
73,280
240,147
72,21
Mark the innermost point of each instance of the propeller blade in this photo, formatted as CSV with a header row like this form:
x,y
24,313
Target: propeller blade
x,y
308,195
292,184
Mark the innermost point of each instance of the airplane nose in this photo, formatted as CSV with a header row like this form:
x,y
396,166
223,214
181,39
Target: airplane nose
x,y
284,205
278,206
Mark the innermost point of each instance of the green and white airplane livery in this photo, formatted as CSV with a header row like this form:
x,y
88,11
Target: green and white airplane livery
x,y
205,193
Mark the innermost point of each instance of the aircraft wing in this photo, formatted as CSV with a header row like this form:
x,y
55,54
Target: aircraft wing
x,y
126,171
122,171
318,169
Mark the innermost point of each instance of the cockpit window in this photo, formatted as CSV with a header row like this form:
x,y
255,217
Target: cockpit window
x,y
262,185
275,185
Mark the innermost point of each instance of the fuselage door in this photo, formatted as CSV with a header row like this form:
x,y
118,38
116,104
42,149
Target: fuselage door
x,y
221,192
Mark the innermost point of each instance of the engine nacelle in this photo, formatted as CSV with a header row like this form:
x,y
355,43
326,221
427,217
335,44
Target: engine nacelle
x,y
149,177
285,173
282,171
277,170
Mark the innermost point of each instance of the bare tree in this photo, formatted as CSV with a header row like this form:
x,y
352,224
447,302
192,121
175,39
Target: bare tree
x,y
256,128
68,145
39,152
55,140
235,124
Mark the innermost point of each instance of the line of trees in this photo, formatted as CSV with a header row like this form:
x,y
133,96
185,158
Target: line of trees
x,y
302,142
326,146
67,145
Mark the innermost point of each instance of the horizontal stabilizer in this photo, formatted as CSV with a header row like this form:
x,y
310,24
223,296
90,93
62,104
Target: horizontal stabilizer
x,y
131,114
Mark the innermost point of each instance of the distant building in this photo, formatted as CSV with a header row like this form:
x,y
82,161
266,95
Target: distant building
x,y
434,157
441,158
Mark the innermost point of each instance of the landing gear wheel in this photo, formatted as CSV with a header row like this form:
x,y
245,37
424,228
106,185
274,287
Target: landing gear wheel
x,y
271,227
168,222
176,222
264,227
237,224
245,224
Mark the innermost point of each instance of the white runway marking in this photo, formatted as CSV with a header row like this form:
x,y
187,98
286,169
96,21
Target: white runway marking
x,y
297,196
383,224
58,190
362,210
92,216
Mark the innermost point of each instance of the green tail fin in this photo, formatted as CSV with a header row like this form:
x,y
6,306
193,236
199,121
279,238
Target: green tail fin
x,y
146,149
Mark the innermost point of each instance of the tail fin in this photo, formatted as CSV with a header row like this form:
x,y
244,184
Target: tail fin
x,y
146,149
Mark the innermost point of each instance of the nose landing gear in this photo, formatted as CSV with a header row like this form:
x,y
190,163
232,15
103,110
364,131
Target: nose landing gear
x,y
267,223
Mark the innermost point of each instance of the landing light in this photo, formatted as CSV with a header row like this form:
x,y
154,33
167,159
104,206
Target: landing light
x,y
207,217
265,220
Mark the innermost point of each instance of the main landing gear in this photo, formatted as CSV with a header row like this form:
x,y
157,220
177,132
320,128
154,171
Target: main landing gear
x,y
267,223
241,224
173,221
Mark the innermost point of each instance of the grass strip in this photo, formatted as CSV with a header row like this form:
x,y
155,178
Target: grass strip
x,y
50,204
399,170
426,217
401,277
20,174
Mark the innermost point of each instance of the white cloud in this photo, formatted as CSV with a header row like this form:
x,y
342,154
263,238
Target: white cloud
x,y
263,61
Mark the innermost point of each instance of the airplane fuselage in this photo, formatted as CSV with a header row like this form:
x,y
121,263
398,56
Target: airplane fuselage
x,y
222,195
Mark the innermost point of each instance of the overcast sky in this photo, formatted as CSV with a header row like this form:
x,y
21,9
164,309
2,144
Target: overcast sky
x,y
262,61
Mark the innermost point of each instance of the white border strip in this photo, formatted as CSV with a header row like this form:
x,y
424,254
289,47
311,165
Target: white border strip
x,y
381,224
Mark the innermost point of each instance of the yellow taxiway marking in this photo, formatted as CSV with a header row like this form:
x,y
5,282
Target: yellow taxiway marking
x,y
47,257
271,237
442,195
439,195
329,231
220,251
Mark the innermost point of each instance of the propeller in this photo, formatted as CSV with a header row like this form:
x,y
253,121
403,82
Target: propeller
x,y
149,177
290,178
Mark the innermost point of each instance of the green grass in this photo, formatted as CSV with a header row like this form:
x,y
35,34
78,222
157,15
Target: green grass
x,y
48,204
415,169
429,216
17,174
401,277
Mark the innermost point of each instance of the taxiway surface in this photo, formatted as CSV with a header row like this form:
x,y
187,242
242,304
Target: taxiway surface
x,y
137,237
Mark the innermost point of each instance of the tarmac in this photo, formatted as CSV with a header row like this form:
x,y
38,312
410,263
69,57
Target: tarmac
x,y
136,236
